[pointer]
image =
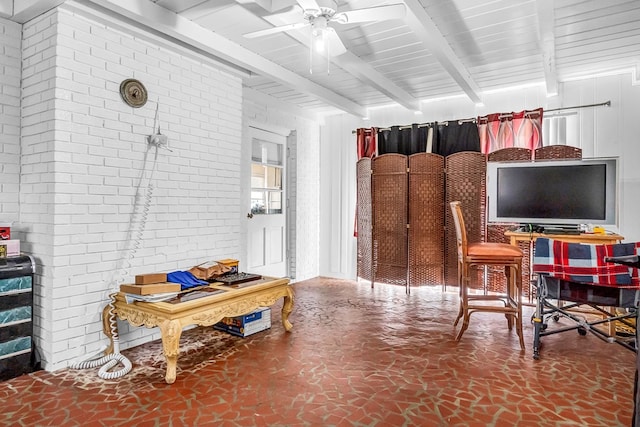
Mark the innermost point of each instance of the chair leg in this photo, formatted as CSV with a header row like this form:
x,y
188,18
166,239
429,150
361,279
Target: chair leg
x,y
465,325
464,301
508,302
514,291
460,290
510,318
519,329
518,297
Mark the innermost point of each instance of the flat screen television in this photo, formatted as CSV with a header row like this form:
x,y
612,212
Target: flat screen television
x,y
562,193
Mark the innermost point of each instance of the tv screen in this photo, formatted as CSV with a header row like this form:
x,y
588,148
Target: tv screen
x,y
553,192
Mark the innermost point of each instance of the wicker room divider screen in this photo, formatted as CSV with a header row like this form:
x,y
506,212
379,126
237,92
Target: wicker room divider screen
x,y
496,280
363,220
406,234
465,181
412,239
389,203
426,222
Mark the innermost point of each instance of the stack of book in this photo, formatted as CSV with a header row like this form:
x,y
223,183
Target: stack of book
x,y
150,287
248,324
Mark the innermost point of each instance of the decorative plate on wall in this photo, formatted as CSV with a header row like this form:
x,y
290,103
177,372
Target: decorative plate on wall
x,y
133,93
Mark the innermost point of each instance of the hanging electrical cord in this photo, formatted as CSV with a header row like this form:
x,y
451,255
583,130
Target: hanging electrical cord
x,y
134,238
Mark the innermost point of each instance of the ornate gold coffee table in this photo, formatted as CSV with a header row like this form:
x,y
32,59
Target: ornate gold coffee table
x,y
193,309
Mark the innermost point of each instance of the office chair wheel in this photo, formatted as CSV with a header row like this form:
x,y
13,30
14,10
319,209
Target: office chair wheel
x,y
582,331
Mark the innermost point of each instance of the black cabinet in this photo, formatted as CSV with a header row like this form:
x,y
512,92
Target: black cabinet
x,y
16,316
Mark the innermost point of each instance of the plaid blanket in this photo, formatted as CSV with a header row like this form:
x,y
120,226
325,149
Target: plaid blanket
x,y
578,262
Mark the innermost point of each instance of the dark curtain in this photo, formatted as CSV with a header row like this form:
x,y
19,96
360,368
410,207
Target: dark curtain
x,y
455,137
404,140
438,138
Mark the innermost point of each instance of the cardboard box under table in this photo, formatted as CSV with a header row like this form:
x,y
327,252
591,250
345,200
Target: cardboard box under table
x,y
247,324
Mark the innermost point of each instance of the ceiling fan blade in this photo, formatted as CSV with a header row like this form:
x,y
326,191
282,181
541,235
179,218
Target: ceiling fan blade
x,y
336,47
379,13
275,30
308,4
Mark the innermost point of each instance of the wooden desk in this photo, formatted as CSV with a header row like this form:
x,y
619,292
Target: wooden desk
x,y
590,238
225,301
604,239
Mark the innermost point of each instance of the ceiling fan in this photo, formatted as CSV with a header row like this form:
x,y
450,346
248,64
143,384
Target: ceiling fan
x,y
319,14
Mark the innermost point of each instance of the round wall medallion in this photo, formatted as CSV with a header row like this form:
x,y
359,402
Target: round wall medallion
x,y
133,93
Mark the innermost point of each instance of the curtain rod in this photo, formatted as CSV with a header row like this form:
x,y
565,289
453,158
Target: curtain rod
x,y
600,104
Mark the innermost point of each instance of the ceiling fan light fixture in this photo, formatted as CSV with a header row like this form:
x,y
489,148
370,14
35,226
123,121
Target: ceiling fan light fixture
x,y
319,43
319,31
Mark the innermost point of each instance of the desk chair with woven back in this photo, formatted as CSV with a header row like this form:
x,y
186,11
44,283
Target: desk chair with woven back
x,y
483,254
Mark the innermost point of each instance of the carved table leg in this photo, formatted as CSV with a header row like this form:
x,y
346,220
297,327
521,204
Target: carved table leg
x,y
171,331
287,308
106,327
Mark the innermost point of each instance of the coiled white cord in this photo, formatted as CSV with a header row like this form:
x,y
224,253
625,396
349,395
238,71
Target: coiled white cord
x,y
111,361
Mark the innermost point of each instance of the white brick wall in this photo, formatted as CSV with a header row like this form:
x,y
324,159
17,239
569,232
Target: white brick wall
x,y
84,151
10,60
304,184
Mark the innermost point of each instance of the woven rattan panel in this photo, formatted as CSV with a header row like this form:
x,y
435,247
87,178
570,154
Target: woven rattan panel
x,y
496,280
465,181
560,152
426,219
550,152
510,154
363,218
389,207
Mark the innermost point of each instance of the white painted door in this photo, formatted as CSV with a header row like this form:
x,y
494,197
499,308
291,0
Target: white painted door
x,y
266,230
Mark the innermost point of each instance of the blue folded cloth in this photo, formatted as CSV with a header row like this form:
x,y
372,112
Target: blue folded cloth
x,y
186,279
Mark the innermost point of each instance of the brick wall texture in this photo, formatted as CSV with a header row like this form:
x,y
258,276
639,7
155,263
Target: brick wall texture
x,y
86,167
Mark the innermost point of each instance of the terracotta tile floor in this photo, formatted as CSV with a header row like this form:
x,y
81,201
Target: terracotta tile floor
x,y
355,357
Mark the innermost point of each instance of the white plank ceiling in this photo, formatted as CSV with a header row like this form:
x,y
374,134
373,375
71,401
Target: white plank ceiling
x,y
439,48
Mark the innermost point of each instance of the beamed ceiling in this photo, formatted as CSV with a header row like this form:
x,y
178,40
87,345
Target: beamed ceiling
x,y
436,48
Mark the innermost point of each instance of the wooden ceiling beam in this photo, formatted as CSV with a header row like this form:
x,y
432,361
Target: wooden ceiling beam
x,y
423,26
546,34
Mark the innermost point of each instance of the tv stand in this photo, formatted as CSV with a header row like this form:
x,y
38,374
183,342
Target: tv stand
x,y
602,239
